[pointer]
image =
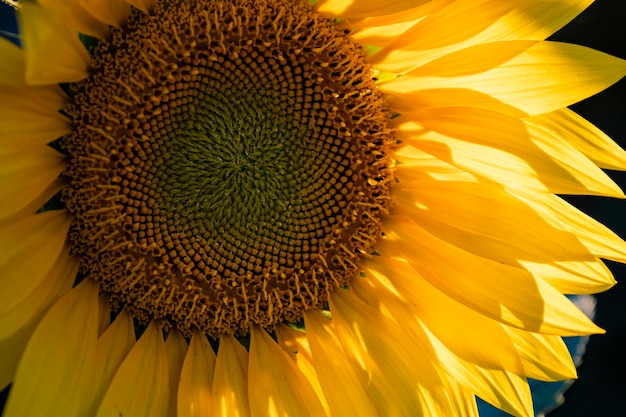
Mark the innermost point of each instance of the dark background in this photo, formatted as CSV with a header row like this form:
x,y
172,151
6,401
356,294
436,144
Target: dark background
x,y
601,388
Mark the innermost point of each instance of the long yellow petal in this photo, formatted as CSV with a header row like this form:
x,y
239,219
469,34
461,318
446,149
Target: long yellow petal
x,y
25,109
491,222
176,348
485,362
334,369
296,344
270,396
196,378
144,5
398,369
18,324
146,362
41,237
545,357
113,346
354,9
111,12
28,178
518,299
58,360
230,381
446,32
12,66
584,136
555,76
76,17
598,239
54,54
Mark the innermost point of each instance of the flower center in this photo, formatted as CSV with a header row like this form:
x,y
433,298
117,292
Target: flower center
x,y
228,163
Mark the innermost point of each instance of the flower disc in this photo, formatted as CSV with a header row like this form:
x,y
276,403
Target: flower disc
x,y
228,163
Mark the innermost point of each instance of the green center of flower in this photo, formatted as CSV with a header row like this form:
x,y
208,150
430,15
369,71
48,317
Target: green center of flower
x,y
228,163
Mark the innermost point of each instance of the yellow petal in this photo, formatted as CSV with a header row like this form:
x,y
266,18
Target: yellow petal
x,y
354,9
54,54
545,357
584,136
176,348
296,344
505,150
112,347
598,239
111,12
446,31
17,325
76,17
483,361
408,103
555,75
146,363
269,368
196,378
28,178
41,237
144,5
12,64
25,110
58,280
398,369
504,293
333,369
58,359
230,381
490,222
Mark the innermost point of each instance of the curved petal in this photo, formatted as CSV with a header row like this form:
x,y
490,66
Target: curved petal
x,y
12,66
545,357
555,76
54,54
269,368
230,380
111,12
196,378
28,178
484,362
58,359
113,346
176,348
146,363
18,324
519,299
398,369
446,31
296,344
354,9
334,369
581,134
41,237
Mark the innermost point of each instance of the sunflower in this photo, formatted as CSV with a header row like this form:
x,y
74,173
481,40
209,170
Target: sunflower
x,y
284,208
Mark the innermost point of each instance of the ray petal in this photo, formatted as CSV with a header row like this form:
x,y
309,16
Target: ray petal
x,y
269,368
176,348
555,76
519,299
146,363
113,346
54,54
58,359
230,380
196,378
333,369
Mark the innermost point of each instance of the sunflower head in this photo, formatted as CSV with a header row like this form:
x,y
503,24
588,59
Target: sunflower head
x,y
282,207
